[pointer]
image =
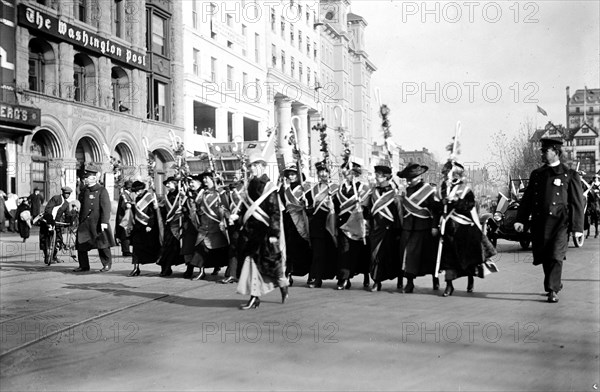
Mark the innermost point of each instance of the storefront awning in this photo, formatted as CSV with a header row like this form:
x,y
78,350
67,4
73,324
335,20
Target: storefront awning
x,y
7,130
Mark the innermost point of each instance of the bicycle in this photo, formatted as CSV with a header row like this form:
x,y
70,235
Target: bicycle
x,y
55,241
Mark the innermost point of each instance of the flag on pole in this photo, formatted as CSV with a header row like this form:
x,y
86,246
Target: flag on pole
x,y
502,203
542,111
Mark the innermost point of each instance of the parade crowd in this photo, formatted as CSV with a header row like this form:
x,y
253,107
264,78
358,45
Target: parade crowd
x,y
267,234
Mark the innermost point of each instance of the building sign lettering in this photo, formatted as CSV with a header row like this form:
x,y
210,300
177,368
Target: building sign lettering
x,y
20,115
58,28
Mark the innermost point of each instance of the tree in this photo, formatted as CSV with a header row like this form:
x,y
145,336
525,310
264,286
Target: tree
x,y
515,156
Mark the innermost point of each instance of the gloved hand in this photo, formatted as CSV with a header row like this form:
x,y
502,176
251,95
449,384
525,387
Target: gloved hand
x,y
519,227
103,226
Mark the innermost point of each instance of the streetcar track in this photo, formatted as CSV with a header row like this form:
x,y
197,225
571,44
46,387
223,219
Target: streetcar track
x,y
77,301
93,318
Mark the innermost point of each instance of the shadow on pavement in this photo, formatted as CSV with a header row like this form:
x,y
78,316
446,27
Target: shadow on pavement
x,y
121,290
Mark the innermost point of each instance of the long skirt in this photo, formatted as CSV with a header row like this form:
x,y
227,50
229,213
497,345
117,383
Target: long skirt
x,y
419,252
298,250
462,250
324,258
353,257
385,254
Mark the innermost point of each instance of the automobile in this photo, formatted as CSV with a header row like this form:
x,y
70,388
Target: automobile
x,y
500,224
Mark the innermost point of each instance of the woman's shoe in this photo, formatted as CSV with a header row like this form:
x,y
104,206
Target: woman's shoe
x,y
201,275
340,284
284,294
253,303
216,271
470,284
436,283
227,280
376,287
410,287
348,284
135,272
449,290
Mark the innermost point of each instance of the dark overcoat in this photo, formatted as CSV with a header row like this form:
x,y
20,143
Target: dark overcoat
x,y
95,210
554,200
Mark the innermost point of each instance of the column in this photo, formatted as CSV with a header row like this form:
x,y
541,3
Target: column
x,y
284,107
302,129
315,155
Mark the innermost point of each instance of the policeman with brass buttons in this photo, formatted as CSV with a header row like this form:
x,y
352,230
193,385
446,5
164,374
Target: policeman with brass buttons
x,y
554,200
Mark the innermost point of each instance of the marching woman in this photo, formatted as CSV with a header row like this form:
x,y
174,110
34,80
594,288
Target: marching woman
x,y
353,249
24,218
384,211
122,233
295,224
170,210
260,237
145,238
462,251
419,243
189,223
212,244
322,228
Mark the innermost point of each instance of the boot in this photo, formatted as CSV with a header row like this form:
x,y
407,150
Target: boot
x,y
449,289
436,283
400,283
410,286
284,294
253,303
189,272
366,281
470,284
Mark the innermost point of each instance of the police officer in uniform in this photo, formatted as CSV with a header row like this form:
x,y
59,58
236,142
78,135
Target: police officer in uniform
x,y
94,231
554,200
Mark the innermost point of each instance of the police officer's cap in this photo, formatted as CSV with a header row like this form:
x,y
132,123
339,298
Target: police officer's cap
x,y
548,142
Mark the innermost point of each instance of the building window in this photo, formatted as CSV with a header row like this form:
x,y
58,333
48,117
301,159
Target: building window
x,y
283,61
308,18
586,141
230,44
244,79
314,20
282,28
41,70
300,71
159,100
159,37
315,51
587,160
308,75
120,90
245,34
229,20
272,19
84,79
196,62
229,77
195,14
213,70
300,40
80,10
256,48
118,18
576,110
273,55
292,66
308,48
292,34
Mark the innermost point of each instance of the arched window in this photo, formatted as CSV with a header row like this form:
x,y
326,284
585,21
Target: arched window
x,y
84,79
120,90
41,67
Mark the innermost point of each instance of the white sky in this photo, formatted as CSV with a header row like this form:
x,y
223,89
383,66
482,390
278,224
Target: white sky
x,y
559,48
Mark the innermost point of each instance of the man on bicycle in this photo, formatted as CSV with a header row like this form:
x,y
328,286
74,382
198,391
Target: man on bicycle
x,y
54,212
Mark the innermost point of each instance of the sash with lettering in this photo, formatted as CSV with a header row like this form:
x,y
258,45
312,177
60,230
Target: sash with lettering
x,y
413,204
254,209
322,202
460,191
235,200
294,207
355,227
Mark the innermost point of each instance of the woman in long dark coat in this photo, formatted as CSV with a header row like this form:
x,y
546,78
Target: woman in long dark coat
x,y
24,218
259,238
121,233
171,215
322,227
462,250
384,211
145,236
295,224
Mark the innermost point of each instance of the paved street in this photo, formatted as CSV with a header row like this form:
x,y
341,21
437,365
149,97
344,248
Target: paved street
x,y
62,331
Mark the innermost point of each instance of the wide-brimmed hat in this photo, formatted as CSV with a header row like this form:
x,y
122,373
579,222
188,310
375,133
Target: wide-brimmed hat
x,y
412,170
138,186
383,166
170,179
256,157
